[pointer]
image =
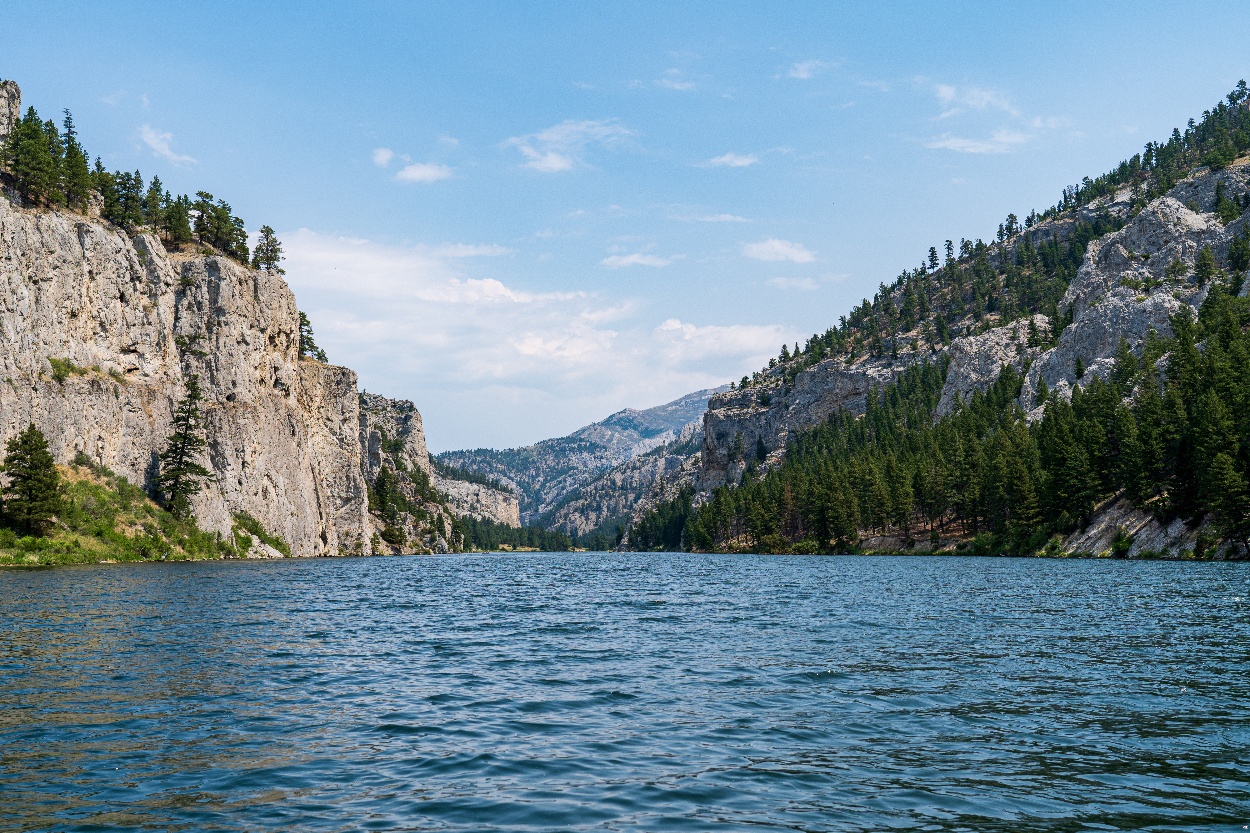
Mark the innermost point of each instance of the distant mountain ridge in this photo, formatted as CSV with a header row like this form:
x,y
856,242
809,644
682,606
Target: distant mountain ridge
x,y
545,474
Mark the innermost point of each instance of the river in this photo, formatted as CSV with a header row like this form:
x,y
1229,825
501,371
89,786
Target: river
x,y
626,692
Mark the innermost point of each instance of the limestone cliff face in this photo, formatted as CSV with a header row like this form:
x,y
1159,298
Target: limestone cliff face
x,y
10,107
133,325
477,500
977,360
739,424
1134,280
617,495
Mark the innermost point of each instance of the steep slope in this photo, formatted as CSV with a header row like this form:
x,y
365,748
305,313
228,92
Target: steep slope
x,y
131,323
546,473
1084,298
103,328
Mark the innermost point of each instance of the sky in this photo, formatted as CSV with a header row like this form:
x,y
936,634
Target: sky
x,y
524,217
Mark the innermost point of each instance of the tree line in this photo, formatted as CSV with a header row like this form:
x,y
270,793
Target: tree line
x,y
49,166
1003,280
1174,442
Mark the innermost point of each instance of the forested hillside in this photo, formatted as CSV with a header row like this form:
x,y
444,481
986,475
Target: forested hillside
x,y
1162,423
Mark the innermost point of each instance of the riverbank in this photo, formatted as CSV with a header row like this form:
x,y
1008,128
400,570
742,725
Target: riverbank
x,y
108,519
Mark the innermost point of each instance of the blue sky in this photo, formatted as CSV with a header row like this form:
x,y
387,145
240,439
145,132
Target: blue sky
x,y
526,216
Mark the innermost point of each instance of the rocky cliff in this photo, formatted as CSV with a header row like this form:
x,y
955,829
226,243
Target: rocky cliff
x,y
549,475
100,333
10,107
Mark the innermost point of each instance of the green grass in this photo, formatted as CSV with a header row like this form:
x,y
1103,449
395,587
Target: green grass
x,y
107,518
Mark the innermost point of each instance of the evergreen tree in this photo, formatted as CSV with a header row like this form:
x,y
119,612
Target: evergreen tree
x,y
181,476
76,181
307,345
177,221
1232,500
29,157
268,252
33,494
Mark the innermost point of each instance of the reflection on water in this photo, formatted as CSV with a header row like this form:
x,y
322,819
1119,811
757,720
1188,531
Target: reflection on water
x,y
567,692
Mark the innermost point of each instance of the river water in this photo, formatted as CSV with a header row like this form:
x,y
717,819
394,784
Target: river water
x,y
626,692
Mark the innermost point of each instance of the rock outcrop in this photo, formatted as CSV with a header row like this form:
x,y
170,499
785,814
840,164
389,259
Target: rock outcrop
x,y
477,500
977,360
10,107
546,475
101,332
1134,280
751,425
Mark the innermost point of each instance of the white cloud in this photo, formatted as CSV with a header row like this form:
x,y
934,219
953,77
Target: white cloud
x,y
562,146
778,250
161,145
957,100
459,250
490,361
732,160
1002,141
804,284
713,339
806,70
423,172
673,80
712,218
621,261
383,156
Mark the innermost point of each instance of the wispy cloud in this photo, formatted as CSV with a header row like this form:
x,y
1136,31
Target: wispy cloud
x,y
494,361
712,218
806,70
674,79
732,160
383,156
162,145
1001,141
637,259
423,172
803,284
958,100
563,146
773,249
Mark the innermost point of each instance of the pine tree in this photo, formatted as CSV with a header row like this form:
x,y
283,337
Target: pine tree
x,y
76,180
33,494
307,345
1231,500
28,155
181,475
1204,266
177,221
268,252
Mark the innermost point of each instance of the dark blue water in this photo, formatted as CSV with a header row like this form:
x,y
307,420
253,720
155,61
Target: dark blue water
x,y
648,693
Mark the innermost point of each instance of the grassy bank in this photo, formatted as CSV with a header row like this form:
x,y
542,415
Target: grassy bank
x,y
107,518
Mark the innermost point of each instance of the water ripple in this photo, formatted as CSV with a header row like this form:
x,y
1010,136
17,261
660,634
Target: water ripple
x,y
627,693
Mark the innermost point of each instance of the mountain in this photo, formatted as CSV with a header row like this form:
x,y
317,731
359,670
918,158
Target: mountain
x,y
107,317
547,474
1080,384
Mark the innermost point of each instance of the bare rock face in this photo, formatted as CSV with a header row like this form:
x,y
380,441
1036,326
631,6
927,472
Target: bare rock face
x,y
10,107
477,500
1134,280
100,333
612,498
1094,339
753,423
977,360
391,434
